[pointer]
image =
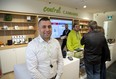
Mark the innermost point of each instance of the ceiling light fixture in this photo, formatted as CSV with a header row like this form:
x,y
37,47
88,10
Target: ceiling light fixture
x,y
84,6
84,3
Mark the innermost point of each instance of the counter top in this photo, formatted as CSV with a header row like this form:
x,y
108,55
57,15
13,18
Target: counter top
x,y
12,46
111,44
70,70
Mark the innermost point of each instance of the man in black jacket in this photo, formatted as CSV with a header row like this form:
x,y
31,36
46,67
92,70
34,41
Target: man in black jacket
x,y
64,36
95,49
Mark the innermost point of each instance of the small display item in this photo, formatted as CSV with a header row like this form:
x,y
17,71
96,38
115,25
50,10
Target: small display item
x,y
1,43
79,49
70,58
9,42
31,27
7,17
16,27
64,53
28,18
5,27
51,65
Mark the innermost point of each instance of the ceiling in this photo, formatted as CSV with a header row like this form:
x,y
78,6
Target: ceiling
x,y
93,6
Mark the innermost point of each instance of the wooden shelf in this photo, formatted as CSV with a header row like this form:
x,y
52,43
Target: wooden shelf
x,y
15,32
19,24
84,28
83,25
83,32
20,30
12,46
76,21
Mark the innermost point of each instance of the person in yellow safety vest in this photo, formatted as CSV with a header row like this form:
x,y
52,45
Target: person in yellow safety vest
x,y
73,39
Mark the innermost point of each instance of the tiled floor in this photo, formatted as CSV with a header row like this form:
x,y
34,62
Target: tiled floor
x,y
9,75
111,71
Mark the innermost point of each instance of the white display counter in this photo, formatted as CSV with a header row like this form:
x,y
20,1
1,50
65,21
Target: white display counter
x,y
70,71
112,48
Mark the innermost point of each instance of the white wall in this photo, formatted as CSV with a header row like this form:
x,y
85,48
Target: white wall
x,y
36,6
101,17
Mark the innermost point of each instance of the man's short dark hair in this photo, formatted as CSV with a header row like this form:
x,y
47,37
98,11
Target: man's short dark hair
x,y
93,25
44,19
74,25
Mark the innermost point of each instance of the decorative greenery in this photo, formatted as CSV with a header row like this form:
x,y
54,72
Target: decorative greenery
x,y
7,17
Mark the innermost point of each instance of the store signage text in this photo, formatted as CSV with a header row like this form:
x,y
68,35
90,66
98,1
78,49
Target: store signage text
x,y
58,10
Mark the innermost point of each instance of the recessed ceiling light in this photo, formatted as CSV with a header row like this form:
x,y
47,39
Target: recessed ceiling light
x,y
84,6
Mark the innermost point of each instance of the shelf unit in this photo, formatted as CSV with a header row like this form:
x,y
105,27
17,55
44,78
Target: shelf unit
x,y
83,25
20,24
75,21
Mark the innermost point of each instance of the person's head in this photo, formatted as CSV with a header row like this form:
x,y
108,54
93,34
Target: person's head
x,y
45,28
92,25
76,27
66,26
100,29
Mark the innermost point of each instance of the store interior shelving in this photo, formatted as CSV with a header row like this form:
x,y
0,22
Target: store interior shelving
x,y
83,25
15,23
19,23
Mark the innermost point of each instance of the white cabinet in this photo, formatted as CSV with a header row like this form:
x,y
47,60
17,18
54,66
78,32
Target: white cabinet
x,y
109,28
112,48
10,57
8,60
70,70
20,55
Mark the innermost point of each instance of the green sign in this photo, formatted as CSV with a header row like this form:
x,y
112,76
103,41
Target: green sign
x,y
110,17
58,10
53,9
70,13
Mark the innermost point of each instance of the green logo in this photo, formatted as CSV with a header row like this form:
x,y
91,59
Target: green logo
x,y
53,9
58,10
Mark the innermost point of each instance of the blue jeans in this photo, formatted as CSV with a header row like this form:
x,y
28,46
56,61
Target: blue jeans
x,y
103,70
93,71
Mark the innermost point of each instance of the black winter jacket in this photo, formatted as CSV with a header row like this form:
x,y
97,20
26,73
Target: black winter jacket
x,y
95,47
